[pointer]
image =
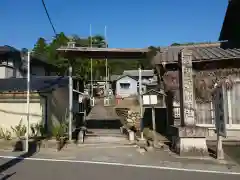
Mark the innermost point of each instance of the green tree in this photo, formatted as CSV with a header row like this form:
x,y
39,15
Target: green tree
x,y
60,40
40,48
175,44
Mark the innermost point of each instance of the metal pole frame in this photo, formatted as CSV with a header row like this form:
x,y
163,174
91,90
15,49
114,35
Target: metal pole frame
x,y
28,101
106,60
90,32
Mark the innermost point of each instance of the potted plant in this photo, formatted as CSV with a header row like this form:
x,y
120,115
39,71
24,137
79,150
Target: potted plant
x,y
20,131
59,132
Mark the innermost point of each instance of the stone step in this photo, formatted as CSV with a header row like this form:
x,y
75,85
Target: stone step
x,y
105,136
103,124
105,139
104,132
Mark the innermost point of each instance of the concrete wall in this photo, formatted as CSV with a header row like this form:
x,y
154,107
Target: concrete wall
x,y
48,108
132,90
38,71
2,72
57,107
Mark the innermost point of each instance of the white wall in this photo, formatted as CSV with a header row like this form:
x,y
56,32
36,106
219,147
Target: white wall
x,y
55,104
2,72
13,110
132,90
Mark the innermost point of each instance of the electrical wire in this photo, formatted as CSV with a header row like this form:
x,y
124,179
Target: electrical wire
x,y
49,18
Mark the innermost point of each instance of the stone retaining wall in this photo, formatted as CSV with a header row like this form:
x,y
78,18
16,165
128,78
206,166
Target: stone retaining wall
x,y
130,118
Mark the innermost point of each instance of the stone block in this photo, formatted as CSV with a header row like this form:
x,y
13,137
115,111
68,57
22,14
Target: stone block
x,y
190,141
189,131
131,135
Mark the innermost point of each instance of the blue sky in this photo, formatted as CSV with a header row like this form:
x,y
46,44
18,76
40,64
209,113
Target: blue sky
x,y
130,23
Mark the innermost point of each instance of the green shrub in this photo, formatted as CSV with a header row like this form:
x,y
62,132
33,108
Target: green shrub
x,y
59,131
5,134
20,130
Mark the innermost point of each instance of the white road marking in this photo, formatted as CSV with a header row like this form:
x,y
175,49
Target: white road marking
x,y
122,164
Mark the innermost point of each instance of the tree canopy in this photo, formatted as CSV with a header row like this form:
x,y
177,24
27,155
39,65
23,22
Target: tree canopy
x,y
81,67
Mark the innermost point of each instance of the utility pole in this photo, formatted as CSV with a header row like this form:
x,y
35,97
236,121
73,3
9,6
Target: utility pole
x,y
140,99
70,102
28,101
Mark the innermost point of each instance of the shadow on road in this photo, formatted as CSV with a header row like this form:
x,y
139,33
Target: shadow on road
x,y
7,176
33,146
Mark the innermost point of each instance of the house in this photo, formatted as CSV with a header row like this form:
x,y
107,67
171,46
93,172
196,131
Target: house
x,y
127,84
210,65
13,64
49,100
49,94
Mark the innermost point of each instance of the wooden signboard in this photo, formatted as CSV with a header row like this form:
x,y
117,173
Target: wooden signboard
x,y
221,110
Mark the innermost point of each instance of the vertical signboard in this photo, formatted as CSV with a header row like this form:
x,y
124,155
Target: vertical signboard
x,y
221,110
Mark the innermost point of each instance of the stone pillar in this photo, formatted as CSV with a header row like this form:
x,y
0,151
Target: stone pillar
x,y
188,139
186,88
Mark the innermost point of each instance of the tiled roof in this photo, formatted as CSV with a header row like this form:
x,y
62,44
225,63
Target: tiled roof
x,y
122,76
6,49
199,53
114,77
39,84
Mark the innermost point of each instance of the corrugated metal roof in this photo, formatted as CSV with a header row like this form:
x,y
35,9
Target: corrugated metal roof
x,y
135,73
170,54
39,84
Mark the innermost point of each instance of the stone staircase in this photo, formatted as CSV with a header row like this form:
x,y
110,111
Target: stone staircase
x,y
103,125
105,136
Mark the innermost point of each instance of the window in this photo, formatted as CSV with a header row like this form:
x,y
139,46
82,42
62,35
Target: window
x,y
176,109
125,85
235,103
205,114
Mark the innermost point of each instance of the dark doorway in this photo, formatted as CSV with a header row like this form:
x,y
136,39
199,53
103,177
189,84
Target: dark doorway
x,y
161,119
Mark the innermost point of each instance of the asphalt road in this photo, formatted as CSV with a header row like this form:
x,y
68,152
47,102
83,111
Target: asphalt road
x,y
13,169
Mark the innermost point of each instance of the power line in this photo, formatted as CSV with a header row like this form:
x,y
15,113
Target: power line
x,y
49,18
